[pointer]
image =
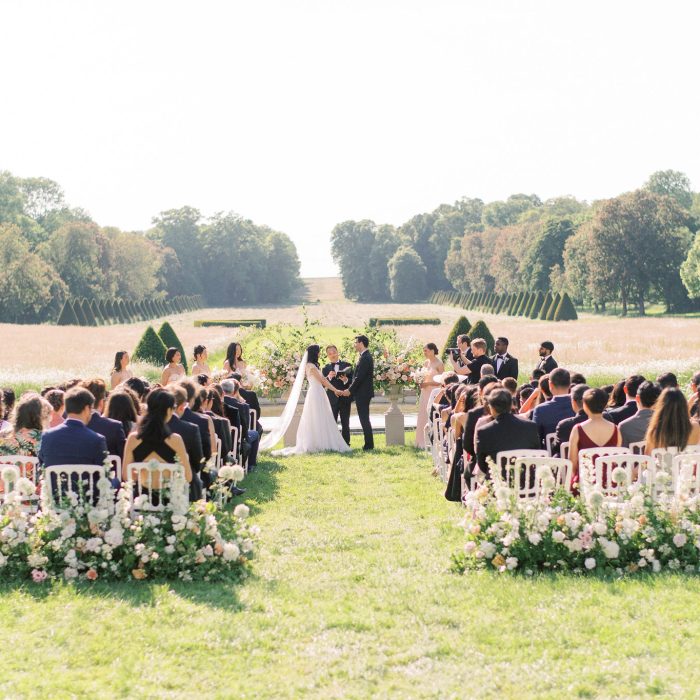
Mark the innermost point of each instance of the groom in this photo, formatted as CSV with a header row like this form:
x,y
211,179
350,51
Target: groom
x,y
362,388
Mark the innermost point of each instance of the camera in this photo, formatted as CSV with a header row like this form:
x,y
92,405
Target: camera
x,y
454,352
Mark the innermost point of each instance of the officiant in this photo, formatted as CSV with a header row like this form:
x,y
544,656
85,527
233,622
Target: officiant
x,y
339,374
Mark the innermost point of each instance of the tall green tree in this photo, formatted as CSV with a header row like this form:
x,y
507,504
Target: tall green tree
x,y
351,243
671,183
407,276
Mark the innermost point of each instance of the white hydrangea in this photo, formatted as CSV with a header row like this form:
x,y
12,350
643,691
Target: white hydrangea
x,y
70,572
231,551
610,549
114,536
488,549
590,563
511,563
241,511
534,538
680,539
558,536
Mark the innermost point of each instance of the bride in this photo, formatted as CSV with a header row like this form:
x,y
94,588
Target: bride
x,y
318,430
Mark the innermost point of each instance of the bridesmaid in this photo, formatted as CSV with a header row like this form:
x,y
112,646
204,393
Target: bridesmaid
x,y
173,370
433,366
120,371
234,359
200,365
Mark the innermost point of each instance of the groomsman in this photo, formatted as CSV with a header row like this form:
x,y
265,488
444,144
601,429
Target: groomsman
x,y
339,374
547,363
503,363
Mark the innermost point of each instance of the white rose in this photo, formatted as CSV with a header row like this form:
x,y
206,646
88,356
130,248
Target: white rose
x,y
114,536
534,538
25,487
179,522
226,473
36,561
511,563
69,572
680,539
589,563
656,566
610,549
558,536
231,551
642,562
169,549
600,528
241,511
488,549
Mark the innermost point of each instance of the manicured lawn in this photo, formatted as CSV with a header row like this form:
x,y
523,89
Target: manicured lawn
x,y
352,598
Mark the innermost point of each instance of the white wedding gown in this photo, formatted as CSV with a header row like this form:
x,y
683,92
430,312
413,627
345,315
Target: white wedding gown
x,y
318,430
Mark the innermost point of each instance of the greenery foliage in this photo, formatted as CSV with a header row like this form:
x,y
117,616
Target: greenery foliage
x,y
150,348
170,340
408,321
481,330
407,276
461,327
243,322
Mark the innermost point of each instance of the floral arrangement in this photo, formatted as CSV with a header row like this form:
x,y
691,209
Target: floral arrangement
x,y
560,532
117,541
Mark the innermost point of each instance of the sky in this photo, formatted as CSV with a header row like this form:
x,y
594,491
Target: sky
x,y
301,114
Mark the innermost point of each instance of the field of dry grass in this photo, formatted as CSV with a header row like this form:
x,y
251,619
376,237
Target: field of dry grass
x,y
600,347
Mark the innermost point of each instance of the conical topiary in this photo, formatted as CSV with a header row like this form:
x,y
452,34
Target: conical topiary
x,y
553,307
87,312
537,306
545,306
150,348
520,311
170,340
481,330
566,311
95,308
460,328
124,314
78,308
67,316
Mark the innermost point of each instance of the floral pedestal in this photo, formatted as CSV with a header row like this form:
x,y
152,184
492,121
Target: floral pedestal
x,y
393,418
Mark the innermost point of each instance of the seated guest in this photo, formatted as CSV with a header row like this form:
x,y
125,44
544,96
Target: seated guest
x,y
173,371
547,415
139,386
634,429
5,425
111,429
200,398
73,442
667,380
564,427
504,364
547,363
577,378
8,400
202,379
541,394
485,386
487,370
693,402
120,371
250,397
670,425
473,368
594,432
233,398
55,398
535,377
155,441
212,408
120,407
512,385
30,419
504,432
200,365
189,433
198,419
629,408
617,397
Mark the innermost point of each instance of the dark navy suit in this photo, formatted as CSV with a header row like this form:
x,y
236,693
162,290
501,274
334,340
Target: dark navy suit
x,y
112,430
548,415
202,422
253,435
193,444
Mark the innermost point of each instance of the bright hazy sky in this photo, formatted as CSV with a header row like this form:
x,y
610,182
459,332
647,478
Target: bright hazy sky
x,y
302,114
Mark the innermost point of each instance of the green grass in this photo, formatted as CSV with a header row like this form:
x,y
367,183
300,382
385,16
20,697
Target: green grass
x,y
352,598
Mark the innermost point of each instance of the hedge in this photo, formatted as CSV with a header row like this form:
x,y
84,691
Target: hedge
x,y
481,330
150,348
566,310
388,321
67,316
170,340
247,322
461,327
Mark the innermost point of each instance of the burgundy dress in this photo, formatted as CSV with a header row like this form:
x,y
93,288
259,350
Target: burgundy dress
x,y
585,443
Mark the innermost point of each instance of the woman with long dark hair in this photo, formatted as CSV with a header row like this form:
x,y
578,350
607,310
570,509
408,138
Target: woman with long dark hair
x,y
120,371
154,440
120,406
174,370
234,359
694,402
670,425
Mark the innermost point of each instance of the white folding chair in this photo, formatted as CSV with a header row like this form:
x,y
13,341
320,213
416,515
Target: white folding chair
x,y
217,463
549,443
155,483
663,456
686,473
564,450
585,463
233,454
638,447
75,482
116,466
9,476
506,459
636,468
528,475
451,444
27,465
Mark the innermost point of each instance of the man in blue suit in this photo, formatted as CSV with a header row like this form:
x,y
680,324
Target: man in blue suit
x,y
111,429
547,415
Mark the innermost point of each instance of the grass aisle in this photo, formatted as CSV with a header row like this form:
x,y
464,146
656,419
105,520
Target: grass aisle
x,y
351,598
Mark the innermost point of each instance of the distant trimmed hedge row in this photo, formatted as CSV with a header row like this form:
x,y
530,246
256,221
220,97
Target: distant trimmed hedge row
x,y
377,322
247,322
534,305
101,312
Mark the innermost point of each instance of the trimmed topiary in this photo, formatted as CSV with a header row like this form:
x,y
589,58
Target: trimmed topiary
x,y
536,306
95,308
566,311
520,311
150,348
67,316
545,306
170,340
78,308
460,328
481,330
553,307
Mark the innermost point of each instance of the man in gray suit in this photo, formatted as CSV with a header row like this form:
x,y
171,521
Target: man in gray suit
x,y
634,429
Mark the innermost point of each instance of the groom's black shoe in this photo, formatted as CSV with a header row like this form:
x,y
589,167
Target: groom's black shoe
x,y
368,448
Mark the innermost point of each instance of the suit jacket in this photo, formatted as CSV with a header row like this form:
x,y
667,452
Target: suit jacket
x,y
112,430
505,432
547,364
634,429
548,415
475,368
362,386
202,422
189,432
222,427
617,415
342,365
72,442
508,368
563,430
243,413
473,415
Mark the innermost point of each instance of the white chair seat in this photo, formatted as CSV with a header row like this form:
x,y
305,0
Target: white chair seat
x,y
152,480
528,475
76,482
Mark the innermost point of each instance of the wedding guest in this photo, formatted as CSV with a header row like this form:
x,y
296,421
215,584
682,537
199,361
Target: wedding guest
x,y
56,398
250,397
173,371
111,429
201,421
547,415
202,379
463,356
432,366
547,363
634,429
472,419
221,424
504,432
577,378
695,396
564,427
524,393
670,425
5,425
190,435
667,380
339,373
232,397
505,365
616,395
120,371
199,407
594,432
8,399
535,377
73,442
155,441
473,368
31,418
200,365
120,408
540,395
511,384
487,370
629,407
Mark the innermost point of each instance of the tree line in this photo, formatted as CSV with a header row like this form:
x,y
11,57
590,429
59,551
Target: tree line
x,y
637,248
51,252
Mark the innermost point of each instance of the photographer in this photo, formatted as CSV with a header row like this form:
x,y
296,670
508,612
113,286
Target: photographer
x,y
462,355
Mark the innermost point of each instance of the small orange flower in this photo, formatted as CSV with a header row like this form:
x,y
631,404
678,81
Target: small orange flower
x,y
91,574
498,561
642,519
218,548
138,573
